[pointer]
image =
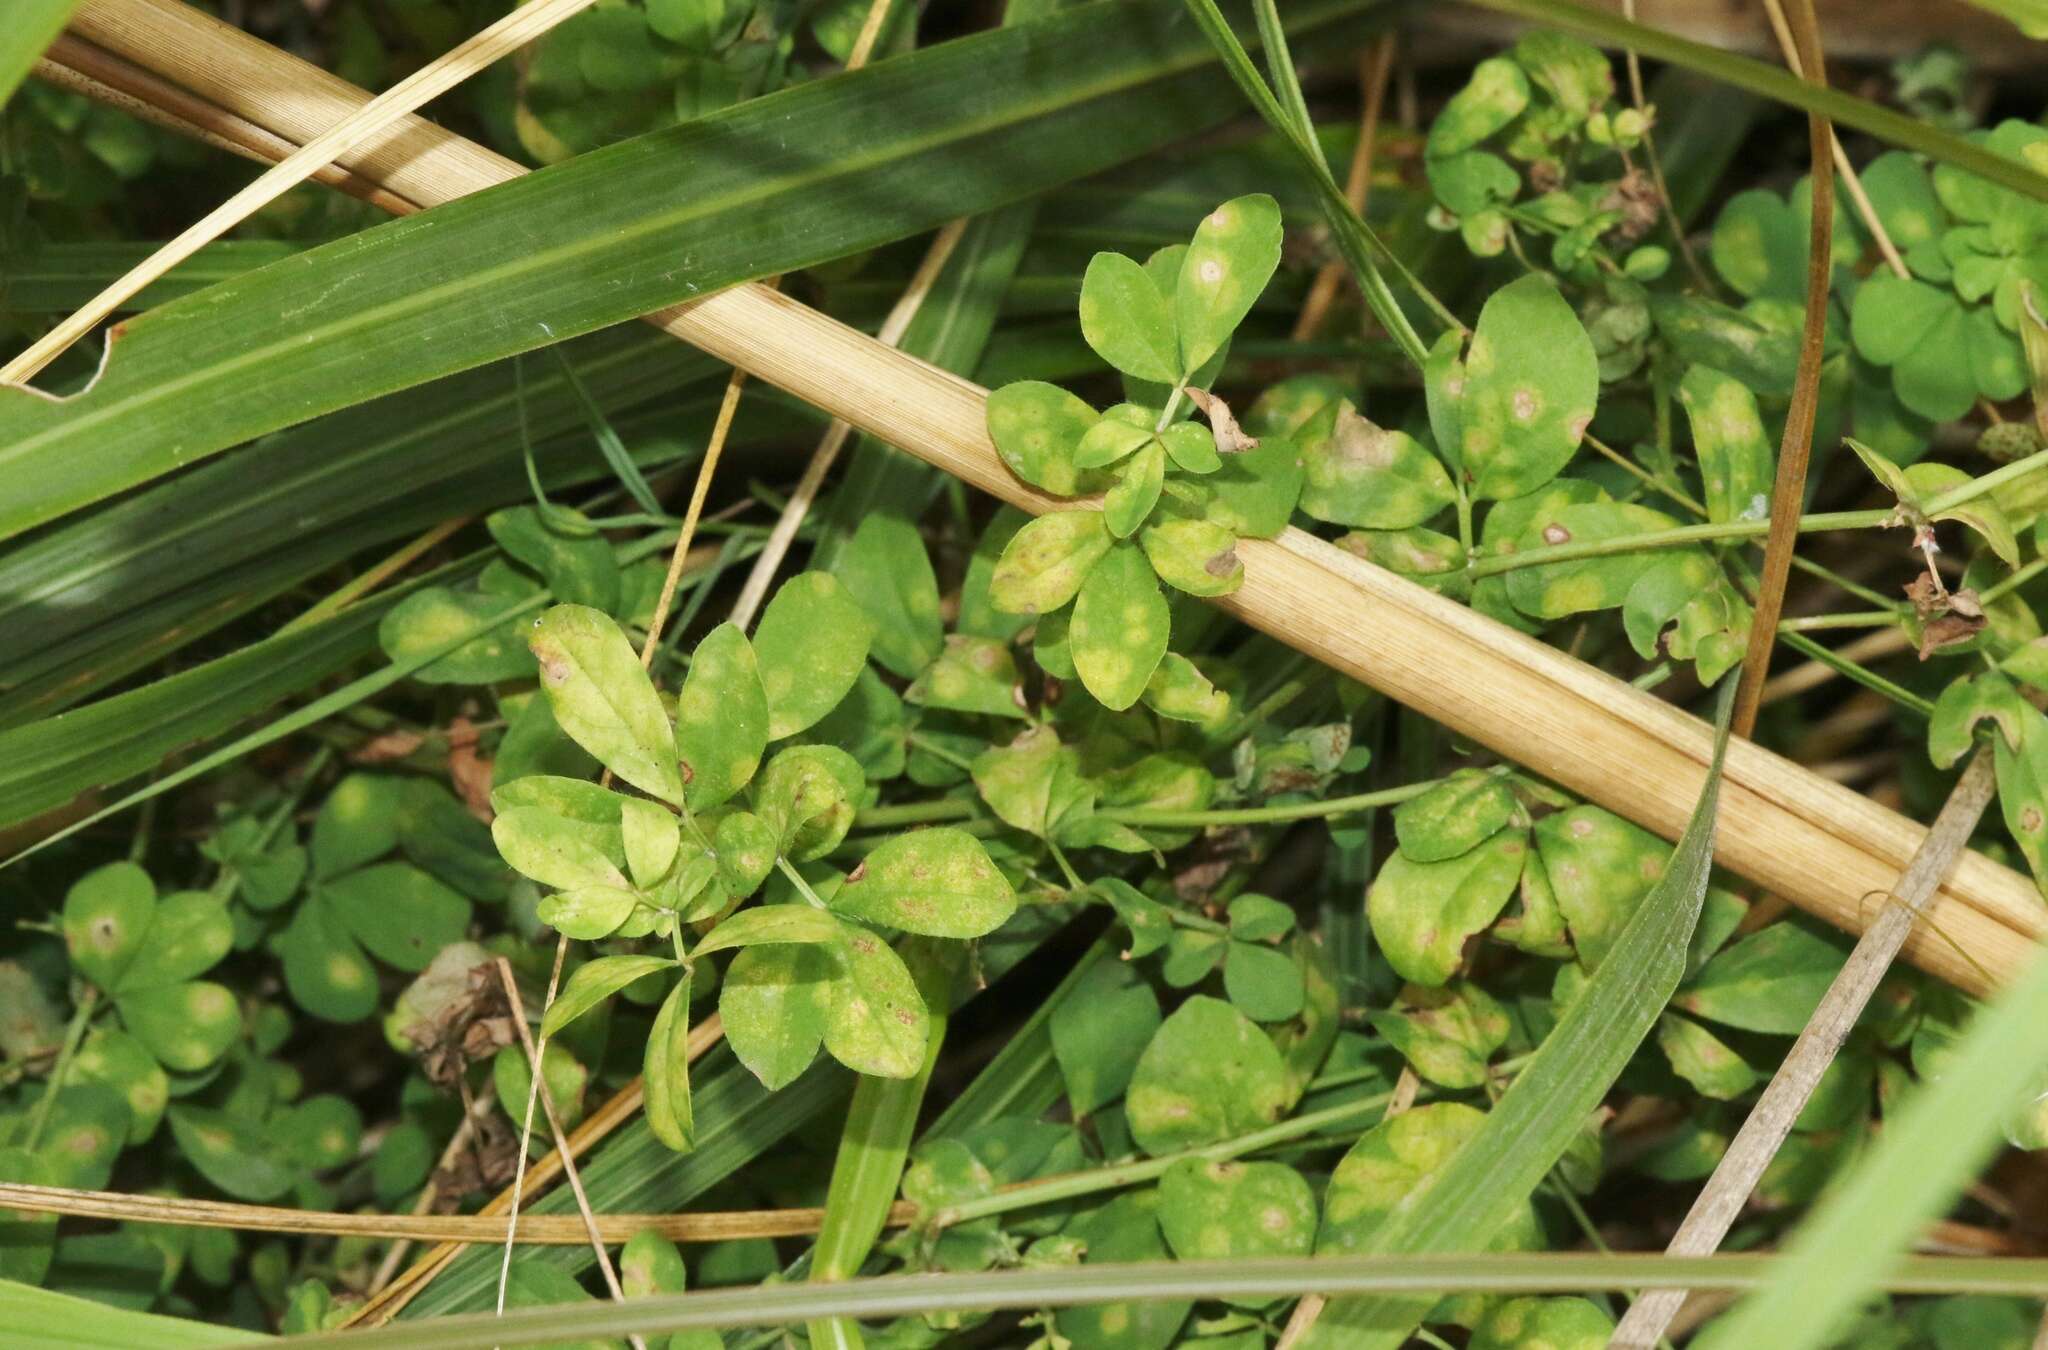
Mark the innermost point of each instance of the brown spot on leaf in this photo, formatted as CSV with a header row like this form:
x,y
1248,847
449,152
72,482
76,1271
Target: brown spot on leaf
x,y
1555,533
1223,564
861,870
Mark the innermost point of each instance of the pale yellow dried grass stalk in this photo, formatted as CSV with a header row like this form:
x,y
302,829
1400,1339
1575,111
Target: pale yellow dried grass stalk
x,y
1820,845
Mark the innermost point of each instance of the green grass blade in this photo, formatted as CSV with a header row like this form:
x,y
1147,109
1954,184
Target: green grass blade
x,y
1924,1157
1529,1129
33,1316
57,277
1069,1286
1773,82
794,178
31,26
873,1147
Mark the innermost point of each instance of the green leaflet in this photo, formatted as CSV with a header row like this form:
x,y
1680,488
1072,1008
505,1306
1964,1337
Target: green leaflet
x,y
1531,378
1736,461
1119,628
603,698
1068,95
811,644
1489,1180
721,718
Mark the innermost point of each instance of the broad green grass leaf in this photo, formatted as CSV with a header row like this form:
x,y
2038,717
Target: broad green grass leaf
x,y
773,1001
31,26
1235,251
1206,1075
1127,321
1064,98
603,698
665,1071
592,983
1531,378
1047,560
721,718
811,644
886,568
1120,628
1488,1181
48,1317
936,881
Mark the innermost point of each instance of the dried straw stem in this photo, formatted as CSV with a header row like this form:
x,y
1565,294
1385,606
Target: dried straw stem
x,y
554,1230
1822,846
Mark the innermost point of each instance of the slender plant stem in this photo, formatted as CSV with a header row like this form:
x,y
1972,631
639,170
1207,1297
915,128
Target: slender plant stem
x,y
81,1018
1864,676
1675,537
1871,618
1267,815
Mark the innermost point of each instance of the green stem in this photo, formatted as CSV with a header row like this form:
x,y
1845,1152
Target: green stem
x,y
81,1018
1990,482
1675,537
1075,1184
1264,815
2013,582
1862,675
796,879
938,751
1872,618
1844,584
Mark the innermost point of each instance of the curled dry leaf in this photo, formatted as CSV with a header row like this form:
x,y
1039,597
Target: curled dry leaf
x,y
464,1030
1230,438
469,773
387,747
1946,617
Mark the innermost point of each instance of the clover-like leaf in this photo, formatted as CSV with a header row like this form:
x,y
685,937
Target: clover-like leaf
x,y
721,718
1494,96
887,570
603,699
936,881
1599,867
1179,690
1099,1031
553,849
401,913
233,1152
746,851
1768,981
1391,1166
1047,561
325,969
187,1025
1578,585
1455,816
1234,253
1120,628
665,1072
1531,378
763,924
1422,913
595,981
773,1002
436,619
811,644
1366,475
807,795
1552,1323
876,1021
1037,428
588,913
578,567
1196,556
1232,1210
1986,695
1208,1074
121,1062
973,675
1136,491
107,914
1126,319
1735,458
